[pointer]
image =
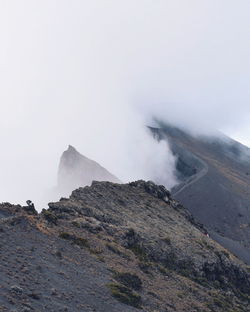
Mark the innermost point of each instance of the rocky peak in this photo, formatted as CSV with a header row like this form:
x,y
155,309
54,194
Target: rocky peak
x,y
71,148
76,170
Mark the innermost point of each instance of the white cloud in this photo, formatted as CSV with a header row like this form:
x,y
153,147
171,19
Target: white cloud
x,y
89,73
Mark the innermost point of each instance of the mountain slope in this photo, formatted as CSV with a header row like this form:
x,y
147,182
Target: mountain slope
x,y
215,184
115,247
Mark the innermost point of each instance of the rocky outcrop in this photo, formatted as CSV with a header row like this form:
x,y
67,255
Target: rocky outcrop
x,y
116,247
76,170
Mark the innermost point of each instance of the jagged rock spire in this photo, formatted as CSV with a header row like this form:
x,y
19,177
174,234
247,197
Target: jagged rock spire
x,y
76,170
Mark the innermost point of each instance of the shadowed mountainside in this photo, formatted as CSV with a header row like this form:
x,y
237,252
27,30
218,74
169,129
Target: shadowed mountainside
x,y
115,247
215,184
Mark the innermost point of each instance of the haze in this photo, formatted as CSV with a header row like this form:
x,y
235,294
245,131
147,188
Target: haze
x,y
94,73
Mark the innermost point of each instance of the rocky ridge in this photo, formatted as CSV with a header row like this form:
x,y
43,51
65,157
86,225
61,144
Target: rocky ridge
x,y
115,247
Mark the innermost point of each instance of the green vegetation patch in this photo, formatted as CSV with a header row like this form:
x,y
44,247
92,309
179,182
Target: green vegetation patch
x,y
146,266
163,270
82,242
224,303
205,244
49,216
129,280
112,247
125,295
139,252
79,241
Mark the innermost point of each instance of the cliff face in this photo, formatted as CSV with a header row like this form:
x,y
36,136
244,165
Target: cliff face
x,y
115,247
76,170
215,176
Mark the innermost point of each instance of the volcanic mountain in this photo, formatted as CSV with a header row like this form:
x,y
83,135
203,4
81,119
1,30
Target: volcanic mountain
x,y
76,170
115,248
214,175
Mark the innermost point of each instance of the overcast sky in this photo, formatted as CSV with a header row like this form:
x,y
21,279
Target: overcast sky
x,y
92,73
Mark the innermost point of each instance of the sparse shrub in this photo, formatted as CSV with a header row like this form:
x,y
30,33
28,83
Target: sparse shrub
x,y
151,293
186,272
49,216
202,281
145,266
79,241
117,251
113,248
133,242
163,270
185,268
216,284
205,244
221,302
82,242
96,251
128,279
181,295
100,258
139,251
125,295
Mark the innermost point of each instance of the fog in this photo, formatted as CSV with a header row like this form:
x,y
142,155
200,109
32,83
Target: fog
x,y
93,73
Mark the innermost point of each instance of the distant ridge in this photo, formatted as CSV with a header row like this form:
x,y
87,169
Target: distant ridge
x,y
76,170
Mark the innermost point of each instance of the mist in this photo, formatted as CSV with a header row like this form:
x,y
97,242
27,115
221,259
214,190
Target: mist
x,y
94,74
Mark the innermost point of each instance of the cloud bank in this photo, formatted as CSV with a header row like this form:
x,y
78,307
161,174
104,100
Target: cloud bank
x,y
93,73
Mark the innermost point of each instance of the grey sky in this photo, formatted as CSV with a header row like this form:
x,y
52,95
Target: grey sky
x,y
92,73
